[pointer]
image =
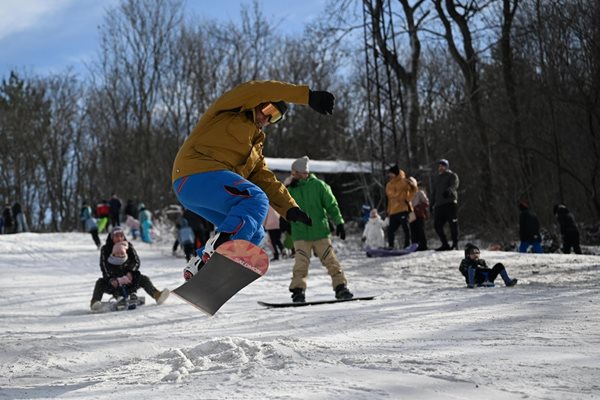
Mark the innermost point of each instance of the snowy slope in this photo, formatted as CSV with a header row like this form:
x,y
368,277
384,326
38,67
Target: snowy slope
x,y
425,337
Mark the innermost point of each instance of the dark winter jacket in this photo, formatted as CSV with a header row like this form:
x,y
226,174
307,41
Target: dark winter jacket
x,y
529,226
109,271
566,221
480,266
445,189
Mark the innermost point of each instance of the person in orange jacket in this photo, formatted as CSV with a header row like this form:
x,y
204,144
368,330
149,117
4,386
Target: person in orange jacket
x,y
220,171
400,190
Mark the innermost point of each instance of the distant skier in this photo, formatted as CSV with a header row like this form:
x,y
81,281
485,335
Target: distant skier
x,y
476,271
568,229
89,223
220,172
121,277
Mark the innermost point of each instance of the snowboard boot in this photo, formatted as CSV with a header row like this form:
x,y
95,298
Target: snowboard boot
x,y
213,243
507,281
342,292
298,295
161,296
192,267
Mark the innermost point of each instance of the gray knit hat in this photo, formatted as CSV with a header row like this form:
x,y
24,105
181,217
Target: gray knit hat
x,y
301,164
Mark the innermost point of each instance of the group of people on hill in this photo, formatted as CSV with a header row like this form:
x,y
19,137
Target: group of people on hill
x,y
220,174
108,214
529,229
13,220
409,207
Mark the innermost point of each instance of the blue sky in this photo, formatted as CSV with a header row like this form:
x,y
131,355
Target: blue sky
x,y
45,36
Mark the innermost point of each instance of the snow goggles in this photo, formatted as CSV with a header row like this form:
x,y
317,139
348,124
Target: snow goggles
x,y
272,113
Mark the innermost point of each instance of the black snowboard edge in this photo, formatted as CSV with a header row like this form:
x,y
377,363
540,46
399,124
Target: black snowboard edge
x,y
312,303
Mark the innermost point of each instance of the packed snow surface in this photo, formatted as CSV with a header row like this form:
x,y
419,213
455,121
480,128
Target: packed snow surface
x,y
425,336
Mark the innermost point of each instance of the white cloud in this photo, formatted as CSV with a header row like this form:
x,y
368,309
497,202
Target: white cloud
x,y
23,15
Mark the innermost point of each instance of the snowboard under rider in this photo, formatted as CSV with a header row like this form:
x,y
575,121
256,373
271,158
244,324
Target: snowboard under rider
x,y
477,273
121,277
220,172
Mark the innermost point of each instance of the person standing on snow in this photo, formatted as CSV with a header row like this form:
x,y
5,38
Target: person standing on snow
x,y
568,229
315,197
373,234
399,191
220,171
420,204
445,204
529,230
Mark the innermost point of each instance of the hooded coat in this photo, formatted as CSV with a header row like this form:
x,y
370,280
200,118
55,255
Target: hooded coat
x,y
400,191
226,138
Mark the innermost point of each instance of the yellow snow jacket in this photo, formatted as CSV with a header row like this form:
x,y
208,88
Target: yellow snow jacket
x,y
400,191
226,138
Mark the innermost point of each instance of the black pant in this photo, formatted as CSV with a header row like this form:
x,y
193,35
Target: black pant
x,y
275,236
571,241
94,233
417,233
103,286
446,213
397,220
485,274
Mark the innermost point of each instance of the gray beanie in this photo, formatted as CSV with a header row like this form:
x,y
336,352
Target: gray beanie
x,y
301,164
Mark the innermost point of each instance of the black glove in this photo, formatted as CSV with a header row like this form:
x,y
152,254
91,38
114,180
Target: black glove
x,y
295,214
340,231
321,101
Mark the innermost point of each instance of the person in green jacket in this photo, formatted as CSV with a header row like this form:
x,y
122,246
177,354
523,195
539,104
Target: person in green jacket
x,y
315,197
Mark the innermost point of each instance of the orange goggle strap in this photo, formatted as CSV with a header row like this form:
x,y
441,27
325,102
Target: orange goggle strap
x,y
272,112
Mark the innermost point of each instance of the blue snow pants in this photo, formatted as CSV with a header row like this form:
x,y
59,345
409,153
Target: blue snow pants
x,y
230,202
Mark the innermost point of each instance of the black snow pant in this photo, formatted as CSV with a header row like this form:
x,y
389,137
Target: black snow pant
x,y
571,241
94,233
486,274
103,286
417,233
397,220
446,213
275,236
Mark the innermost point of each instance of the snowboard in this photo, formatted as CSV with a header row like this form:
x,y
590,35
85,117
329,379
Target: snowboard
x,y
234,265
312,303
392,252
109,306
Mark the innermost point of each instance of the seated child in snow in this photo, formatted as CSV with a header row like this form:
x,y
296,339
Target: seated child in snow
x,y
476,271
121,277
374,235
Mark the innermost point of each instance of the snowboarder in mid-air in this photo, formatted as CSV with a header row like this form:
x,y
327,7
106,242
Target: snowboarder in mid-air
x,y
220,172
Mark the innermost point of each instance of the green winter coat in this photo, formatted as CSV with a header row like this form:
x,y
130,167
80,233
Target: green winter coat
x,y
315,198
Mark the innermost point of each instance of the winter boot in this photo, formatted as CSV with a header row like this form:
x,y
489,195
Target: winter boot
x,y
192,267
444,247
342,292
486,281
161,296
95,305
211,244
298,295
471,278
507,280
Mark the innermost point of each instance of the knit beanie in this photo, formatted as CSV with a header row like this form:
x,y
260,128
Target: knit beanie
x,y
301,164
444,162
470,248
394,170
